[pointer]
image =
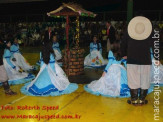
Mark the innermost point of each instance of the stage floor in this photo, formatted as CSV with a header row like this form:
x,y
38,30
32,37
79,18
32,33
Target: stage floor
x,y
79,106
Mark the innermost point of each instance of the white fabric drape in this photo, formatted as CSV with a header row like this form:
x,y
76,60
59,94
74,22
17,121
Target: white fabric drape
x,y
58,79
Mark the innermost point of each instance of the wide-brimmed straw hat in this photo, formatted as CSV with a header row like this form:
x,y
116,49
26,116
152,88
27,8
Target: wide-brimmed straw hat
x,y
139,28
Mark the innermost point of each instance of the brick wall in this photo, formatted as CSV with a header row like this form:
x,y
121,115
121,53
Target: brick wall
x,y
73,62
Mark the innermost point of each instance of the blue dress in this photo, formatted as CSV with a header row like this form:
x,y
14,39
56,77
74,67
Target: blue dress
x,y
20,60
15,77
14,48
95,59
94,46
57,52
114,83
50,81
56,46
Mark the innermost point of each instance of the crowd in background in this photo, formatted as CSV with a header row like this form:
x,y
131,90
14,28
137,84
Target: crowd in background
x,y
32,34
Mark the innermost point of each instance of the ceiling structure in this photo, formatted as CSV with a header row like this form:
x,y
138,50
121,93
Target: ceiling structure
x,y
117,8
19,1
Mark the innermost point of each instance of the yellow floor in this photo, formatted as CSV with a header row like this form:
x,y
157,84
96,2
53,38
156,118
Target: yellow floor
x,y
89,107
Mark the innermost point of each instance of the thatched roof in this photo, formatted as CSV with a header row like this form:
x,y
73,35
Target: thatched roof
x,y
71,9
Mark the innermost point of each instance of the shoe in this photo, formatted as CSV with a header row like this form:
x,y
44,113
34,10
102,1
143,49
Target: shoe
x,y
142,96
134,97
10,92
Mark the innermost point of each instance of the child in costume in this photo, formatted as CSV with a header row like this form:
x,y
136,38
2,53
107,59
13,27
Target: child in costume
x,y
15,73
95,59
57,51
18,58
51,79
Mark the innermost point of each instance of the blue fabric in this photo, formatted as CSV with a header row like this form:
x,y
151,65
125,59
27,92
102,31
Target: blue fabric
x,y
15,51
43,79
105,71
123,60
44,91
29,78
151,53
7,56
18,81
43,85
111,59
56,46
87,66
93,46
14,48
123,92
71,88
38,62
51,61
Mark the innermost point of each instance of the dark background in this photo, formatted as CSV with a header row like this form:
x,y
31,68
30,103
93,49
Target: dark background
x,y
108,9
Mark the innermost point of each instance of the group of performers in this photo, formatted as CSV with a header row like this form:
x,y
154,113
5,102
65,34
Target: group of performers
x,y
13,67
122,77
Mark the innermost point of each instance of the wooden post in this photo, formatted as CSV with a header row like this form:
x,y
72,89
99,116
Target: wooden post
x,y
67,52
67,31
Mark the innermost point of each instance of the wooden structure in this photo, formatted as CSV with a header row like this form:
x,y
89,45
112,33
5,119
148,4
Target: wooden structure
x,y
73,62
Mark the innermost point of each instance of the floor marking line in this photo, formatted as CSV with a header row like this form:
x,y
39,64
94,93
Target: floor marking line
x,y
67,104
71,101
14,101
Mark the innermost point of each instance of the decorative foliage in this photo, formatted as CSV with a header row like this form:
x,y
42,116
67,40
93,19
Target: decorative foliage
x,y
76,10
77,31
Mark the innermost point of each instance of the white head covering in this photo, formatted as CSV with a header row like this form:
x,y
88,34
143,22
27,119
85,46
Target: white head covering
x,y
139,28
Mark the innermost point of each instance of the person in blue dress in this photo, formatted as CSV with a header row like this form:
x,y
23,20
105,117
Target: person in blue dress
x,y
113,82
57,51
3,73
95,59
18,58
51,79
15,73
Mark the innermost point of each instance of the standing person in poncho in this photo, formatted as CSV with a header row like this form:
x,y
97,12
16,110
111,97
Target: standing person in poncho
x,y
135,47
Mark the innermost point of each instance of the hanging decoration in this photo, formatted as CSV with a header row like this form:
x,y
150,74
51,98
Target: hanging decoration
x,y
73,62
77,32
